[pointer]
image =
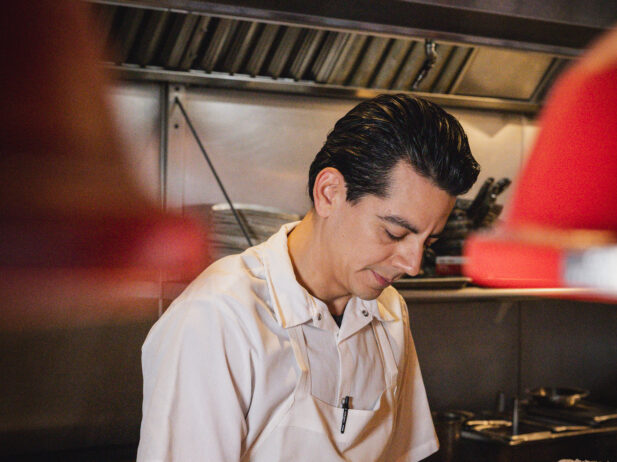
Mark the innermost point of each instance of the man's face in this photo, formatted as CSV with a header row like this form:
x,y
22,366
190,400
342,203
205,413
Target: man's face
x,y
378,240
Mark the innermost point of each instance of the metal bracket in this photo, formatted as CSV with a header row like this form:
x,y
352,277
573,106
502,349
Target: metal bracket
x,y
430,49
239,219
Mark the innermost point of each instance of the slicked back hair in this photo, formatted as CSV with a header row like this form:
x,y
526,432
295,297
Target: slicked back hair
x,y
371,139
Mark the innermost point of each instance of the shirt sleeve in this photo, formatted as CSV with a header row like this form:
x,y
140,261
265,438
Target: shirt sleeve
x,y
197,386
414,435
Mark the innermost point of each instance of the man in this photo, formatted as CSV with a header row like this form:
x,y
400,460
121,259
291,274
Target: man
x,y
298,349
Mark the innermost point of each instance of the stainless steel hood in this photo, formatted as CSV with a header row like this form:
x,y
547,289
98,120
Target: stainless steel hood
x,y
353,51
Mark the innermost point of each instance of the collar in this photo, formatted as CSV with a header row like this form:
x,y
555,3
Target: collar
x,y
292,304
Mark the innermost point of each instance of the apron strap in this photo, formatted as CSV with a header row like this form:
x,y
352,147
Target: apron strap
x,y
391,370
298,344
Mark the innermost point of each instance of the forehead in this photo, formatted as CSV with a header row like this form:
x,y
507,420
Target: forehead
x,y
414,198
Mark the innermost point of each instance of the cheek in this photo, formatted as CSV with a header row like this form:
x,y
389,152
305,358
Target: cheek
x,y
360,245
382,254
374,253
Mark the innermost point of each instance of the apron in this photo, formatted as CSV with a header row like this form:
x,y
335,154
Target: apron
x,y
306,429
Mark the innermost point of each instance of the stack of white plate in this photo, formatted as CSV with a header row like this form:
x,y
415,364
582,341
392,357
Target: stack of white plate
x,y
227,237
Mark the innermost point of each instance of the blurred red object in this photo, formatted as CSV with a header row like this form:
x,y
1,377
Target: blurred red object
x,y
72,216
562,227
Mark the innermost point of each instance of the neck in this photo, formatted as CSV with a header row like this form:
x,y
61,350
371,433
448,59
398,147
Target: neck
x,y
312,263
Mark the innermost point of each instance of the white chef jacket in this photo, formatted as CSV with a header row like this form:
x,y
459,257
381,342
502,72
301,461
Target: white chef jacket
x,y
218,364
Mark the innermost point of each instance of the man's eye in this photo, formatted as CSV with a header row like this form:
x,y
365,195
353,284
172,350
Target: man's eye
x,y
394,237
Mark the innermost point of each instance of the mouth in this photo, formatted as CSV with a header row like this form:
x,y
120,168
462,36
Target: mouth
x,y
383,282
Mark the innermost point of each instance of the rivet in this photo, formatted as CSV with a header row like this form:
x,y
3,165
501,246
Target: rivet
x,y
365,313
319,317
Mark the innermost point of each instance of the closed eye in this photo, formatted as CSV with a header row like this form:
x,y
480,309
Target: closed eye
x,y
394,237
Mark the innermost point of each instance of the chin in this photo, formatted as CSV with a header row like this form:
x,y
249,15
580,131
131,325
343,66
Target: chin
x,y
368,293
365,287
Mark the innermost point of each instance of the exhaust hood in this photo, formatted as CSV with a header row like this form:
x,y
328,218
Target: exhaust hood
x,y
352,51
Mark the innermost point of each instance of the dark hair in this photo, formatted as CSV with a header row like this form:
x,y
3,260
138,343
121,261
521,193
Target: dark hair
x,y
376,134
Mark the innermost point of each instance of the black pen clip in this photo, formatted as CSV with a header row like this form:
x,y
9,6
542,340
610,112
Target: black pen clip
x,y
345,410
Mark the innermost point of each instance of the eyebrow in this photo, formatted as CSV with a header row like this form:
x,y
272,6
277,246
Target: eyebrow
x,y
400,221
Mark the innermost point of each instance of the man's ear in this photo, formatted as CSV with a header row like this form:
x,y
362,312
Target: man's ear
x,y
329,191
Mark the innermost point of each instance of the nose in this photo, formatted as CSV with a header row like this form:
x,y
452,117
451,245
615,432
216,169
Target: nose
x,y
408,257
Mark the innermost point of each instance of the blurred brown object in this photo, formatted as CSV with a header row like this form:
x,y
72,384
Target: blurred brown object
x,y
71,214
61,154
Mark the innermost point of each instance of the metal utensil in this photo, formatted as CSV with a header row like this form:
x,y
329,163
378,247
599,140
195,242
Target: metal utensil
x,y
558,396
515,416
448,425
488,201
481,196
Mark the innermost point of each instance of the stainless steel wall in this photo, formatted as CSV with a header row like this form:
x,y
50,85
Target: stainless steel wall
x,y
262,145
471,350
136,109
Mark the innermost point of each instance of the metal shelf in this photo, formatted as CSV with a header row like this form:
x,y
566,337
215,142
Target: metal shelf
x,y
483,294
171,290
